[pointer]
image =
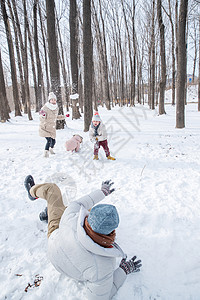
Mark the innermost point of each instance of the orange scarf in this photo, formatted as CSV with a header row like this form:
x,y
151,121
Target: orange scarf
x,y
103,240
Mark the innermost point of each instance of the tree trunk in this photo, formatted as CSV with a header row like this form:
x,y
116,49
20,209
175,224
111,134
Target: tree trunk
x,y
23,54
38,61
26,32
130,54
4,106
173,55
73,22
138,81
105,62
101,45
186,43
53,57
99,69
181,71
195,39
45,51
80,92
22,83
12,59
199,71
88,57
134,55
121,58
152,66
176,31
63,68
162,57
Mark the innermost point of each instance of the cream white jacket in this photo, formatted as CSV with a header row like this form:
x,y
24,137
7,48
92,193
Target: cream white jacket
x,y
102,134
75,254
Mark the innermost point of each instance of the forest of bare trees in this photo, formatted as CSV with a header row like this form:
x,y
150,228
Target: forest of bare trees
x,y
103,52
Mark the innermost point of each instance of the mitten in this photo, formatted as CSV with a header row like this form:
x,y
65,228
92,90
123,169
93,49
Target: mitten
x,y
105,187
130,266
42,113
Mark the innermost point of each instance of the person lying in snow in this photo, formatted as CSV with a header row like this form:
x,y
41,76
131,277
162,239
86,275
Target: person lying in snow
x,y
74,143
98,135
81,244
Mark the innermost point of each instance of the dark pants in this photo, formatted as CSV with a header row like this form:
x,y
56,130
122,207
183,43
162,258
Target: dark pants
x,y
104,144
50,143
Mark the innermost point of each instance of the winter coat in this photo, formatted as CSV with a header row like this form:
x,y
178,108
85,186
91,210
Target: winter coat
x,y
73,143
102,134
75,254
48,120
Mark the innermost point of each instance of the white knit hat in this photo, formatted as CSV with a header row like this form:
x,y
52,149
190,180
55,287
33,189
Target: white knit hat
x,y
52,96
96,117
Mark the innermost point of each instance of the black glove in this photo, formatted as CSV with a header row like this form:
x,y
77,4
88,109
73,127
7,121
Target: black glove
x,y
130,266
105,187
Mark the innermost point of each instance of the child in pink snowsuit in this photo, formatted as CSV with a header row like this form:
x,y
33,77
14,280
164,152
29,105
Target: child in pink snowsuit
x,y
98,135
74,143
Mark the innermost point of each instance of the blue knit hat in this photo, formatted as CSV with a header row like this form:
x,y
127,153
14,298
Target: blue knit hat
x,y
103,218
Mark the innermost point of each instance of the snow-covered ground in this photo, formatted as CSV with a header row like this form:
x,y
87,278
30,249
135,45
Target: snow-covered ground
x,y
157,180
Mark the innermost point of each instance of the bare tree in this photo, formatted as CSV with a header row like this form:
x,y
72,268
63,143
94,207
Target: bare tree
x,y
88,62
162,57
4,107
132,65
133,77
27,34
23,57
194,39
45,49
199,71
102,52
100,55
53,57
63,67
38,61
152,59
172,51
73,22
105,61
176,30
181,70
12,59
18,51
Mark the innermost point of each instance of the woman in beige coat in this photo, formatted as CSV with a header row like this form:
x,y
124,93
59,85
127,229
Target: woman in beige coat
x,y
48,117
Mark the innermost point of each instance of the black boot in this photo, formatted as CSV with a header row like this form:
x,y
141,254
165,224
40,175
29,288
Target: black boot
x,y
43,215
28,183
